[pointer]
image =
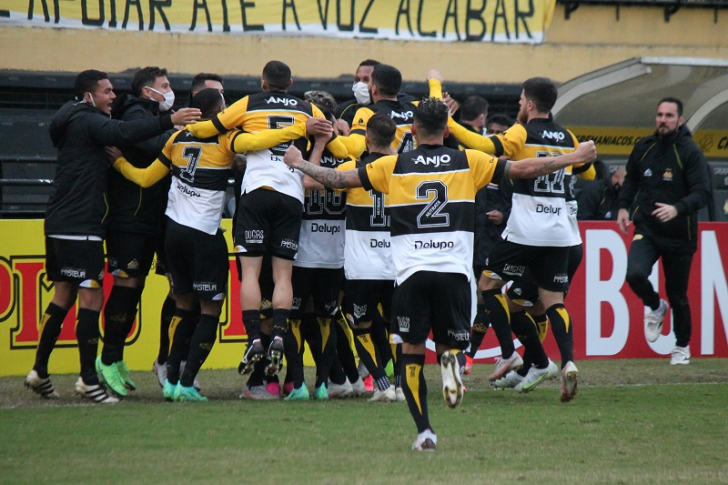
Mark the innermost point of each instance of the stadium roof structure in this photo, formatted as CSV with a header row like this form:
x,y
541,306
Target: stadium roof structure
x,y
626,94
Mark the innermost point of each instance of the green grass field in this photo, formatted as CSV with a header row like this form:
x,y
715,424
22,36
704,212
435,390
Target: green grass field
x,y
633,421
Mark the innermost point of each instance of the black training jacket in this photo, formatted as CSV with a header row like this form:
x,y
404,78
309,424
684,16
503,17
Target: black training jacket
x,y
80,133
132,208
670,170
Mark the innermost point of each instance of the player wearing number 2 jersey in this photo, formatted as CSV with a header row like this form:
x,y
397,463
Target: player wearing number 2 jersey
x,y
432,199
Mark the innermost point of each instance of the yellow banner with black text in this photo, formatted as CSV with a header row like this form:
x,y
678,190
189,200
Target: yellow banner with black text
x,y
508,21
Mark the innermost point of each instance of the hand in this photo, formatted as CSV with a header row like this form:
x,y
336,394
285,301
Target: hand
x,y
586,152
434,74
623,220
452,105
342,127
293,157
664,212
318,126
186,116
113,154
495,217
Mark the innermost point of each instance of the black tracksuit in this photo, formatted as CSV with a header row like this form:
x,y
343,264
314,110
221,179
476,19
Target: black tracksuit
x,y
78,202
671,170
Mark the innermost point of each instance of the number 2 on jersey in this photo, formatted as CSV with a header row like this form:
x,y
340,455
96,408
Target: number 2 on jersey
x,y
430,216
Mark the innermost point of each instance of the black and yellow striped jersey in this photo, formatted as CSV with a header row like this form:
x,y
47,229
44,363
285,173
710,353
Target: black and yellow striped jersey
x,y
368,250
268,110
321,241
401,112
432,205
200,170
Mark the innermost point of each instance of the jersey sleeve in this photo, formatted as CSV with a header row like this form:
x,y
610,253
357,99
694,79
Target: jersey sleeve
x,y
376,175
241,142
144,177
356,142
470,139
485,168
435,88
224,121
346,166
510,142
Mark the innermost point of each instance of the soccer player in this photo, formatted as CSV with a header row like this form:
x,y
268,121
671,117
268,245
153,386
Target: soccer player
x,y
368,263
538,236
135,218
432,192
384,84
75,223
271,207
205,80
195,246
345,111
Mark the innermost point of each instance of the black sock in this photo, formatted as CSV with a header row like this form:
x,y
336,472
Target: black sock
x,y
251,321
328,350
561,327
129,323
337,375
87,334
280,321
344,351
368,353
499,315
122,301
380,337
480,327
180,333
165,318
293,346
50,328
398,366
415,389
542,326
525,329
203,339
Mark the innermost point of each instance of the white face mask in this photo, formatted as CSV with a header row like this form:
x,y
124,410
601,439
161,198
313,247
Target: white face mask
x,y
361,93
168,99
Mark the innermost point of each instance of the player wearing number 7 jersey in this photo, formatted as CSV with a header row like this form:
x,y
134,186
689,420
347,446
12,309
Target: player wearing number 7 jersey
x,y
432,199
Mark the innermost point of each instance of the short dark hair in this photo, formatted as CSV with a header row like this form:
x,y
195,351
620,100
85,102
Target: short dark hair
x,y
542,91
209,101
387,78
501,119
199,80
472,107
369,62
676,101
145,77
87,81
382,129
431,117
277,75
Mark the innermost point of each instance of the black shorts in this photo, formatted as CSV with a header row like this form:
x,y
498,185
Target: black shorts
x,y
440,302
363,298
324,284
524,290
268,221
80,262
548,265
131,254
198,262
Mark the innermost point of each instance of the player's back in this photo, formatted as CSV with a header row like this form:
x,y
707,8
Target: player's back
x,y
401,112
265,168
200,169
540,213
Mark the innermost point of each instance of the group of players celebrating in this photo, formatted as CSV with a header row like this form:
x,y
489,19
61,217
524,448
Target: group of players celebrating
x,y
352,222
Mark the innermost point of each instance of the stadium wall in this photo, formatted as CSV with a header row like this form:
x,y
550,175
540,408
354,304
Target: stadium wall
x,y
593,37
607,317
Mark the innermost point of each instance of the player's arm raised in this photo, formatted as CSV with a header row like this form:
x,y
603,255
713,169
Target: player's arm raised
x,y
329,177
